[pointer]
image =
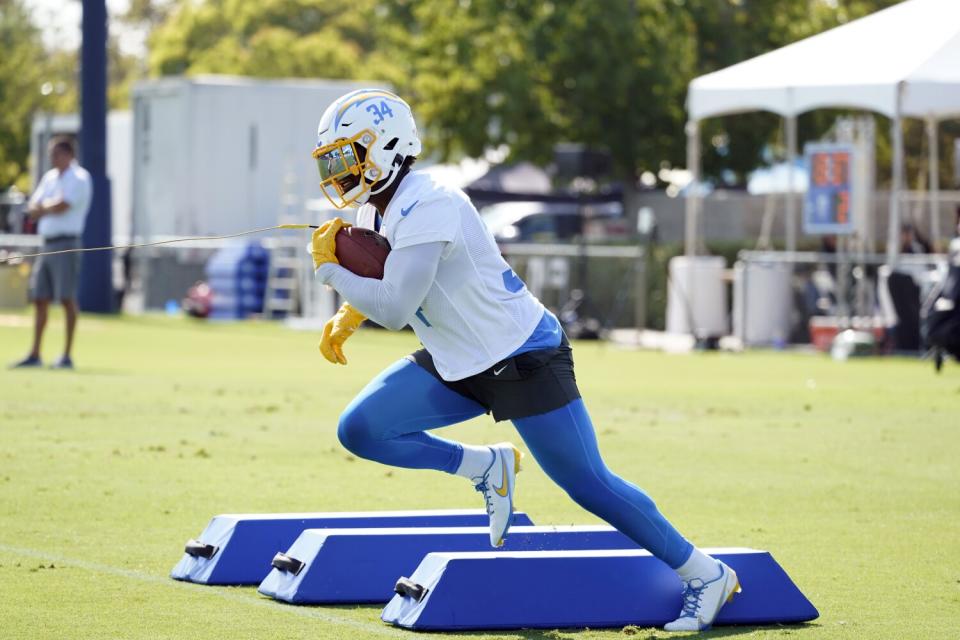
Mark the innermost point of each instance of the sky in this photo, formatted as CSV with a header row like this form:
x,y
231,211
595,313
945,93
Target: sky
x,y
60,22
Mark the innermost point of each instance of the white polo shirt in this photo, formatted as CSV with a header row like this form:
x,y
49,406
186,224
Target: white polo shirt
x,y
74,187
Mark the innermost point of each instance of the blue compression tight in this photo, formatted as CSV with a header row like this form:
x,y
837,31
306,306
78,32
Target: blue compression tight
x,y
388,420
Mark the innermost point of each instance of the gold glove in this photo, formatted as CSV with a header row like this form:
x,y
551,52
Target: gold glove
x,y
338,328
323,245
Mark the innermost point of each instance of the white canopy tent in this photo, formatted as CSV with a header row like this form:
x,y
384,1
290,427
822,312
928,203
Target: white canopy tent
x,y
901,62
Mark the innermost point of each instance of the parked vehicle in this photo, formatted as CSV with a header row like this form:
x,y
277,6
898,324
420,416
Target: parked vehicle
x,y
530,221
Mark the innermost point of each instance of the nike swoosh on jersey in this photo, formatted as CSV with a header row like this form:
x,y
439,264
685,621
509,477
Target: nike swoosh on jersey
x,y
405,212
502,489
497,372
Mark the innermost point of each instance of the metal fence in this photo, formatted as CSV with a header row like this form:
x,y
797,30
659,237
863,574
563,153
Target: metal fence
x,y
759,220
594,287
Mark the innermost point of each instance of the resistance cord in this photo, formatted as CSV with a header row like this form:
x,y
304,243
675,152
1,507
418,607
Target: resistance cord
x,y
21,256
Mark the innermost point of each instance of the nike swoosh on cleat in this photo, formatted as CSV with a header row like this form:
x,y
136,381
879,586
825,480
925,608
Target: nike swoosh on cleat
x,y
405,212
503,488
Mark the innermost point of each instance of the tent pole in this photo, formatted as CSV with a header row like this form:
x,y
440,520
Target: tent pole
x,y
692,205
933,180
896,189
791,221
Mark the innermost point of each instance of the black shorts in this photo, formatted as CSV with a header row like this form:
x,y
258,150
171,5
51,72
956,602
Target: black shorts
x,y
525,385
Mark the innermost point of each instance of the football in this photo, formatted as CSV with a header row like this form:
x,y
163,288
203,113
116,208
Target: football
x,y
362,251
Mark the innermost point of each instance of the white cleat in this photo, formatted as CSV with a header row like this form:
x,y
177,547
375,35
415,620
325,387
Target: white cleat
x,y
497,485
702,601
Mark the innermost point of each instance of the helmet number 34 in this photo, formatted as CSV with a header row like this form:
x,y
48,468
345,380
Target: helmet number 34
x,y
363,141
380,111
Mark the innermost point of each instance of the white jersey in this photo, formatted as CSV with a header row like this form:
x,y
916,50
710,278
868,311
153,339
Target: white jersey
x,y
478,311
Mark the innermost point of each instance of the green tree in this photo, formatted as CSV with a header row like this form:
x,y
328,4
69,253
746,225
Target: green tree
x,y
123,71
611,75
271,38
25,69
484,73
147,14
36,80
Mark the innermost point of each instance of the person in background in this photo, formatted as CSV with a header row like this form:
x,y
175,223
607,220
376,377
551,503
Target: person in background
x,y
911,241
905,292
59,205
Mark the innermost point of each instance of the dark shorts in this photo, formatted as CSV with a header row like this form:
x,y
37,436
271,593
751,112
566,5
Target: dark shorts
x,y
525,385
55,278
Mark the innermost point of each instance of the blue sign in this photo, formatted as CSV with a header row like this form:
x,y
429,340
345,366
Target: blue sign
x,y
828,205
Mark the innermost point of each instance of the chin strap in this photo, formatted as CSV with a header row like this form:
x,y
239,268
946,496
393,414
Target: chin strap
x,y
16,257
396,173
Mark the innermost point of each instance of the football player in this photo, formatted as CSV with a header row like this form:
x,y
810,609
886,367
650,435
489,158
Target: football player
x,y
489,347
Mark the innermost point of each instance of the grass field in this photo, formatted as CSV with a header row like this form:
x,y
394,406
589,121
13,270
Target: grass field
x,y
847,472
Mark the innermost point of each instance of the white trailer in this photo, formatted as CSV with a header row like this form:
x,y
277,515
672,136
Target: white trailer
x,y
218,154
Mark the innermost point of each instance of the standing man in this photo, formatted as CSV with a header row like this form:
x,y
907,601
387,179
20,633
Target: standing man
x,y
60,205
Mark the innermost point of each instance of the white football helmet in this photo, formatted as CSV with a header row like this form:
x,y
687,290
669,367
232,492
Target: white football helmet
x,y
362,141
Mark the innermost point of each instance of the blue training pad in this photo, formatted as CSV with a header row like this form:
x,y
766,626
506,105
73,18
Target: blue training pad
x,y
577,589
245,544
362,565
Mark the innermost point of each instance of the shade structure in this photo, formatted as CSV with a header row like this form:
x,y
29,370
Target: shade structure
x,y
901,62
909,51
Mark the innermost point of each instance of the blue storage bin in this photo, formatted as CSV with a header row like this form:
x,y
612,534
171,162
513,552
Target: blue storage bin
x,y
237,276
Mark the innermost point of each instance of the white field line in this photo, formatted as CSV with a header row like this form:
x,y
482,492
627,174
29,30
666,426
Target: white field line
x,y
130,574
